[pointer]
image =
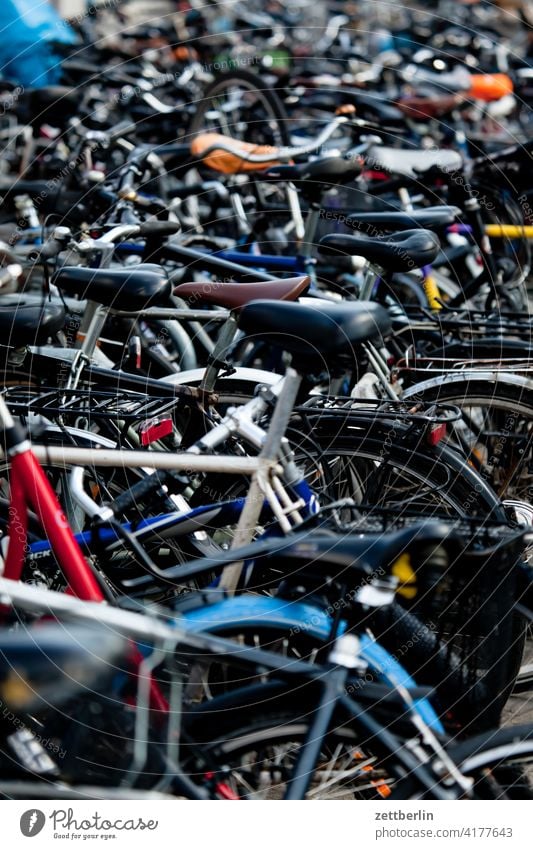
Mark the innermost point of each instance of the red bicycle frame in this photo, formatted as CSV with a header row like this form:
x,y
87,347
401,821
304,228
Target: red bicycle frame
x,y
30,488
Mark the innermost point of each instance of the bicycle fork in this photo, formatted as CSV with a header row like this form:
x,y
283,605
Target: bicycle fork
x,y
426,759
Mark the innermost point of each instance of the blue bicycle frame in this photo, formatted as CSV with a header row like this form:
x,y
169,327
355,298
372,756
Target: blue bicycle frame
x,y
170,525
243,260
296,617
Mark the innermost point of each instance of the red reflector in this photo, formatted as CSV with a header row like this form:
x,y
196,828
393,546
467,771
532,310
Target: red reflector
x,y
226,792
154,429
374,175
222,788
435,433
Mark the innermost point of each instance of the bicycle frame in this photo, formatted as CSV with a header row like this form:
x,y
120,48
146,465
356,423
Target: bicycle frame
x,y
349,654
41,498
30,488
61,537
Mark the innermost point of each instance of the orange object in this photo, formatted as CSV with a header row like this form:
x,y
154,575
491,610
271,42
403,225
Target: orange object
x,y
490,86
210,148
345,109
183,53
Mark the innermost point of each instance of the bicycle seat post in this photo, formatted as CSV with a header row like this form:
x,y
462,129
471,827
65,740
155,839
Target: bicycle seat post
x,y
372,274
254,500
216,360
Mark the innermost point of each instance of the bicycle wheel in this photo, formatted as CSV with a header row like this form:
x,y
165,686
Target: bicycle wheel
x,y
359,461
513,256
500,762
251,740
252,746
239,104
496,432
386,464
464,641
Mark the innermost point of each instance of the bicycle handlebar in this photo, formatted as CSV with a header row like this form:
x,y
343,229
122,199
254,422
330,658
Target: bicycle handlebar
x,y
144,228
287,153
159,228
51,249
311,147
292,152
53,246
103,137
60,241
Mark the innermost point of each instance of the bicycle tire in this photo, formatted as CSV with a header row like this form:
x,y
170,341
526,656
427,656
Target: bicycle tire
x,y
499,392
230,738
266,96
449,477
500,761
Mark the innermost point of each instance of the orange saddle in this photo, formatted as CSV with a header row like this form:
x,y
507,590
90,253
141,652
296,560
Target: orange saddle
x,y
230,156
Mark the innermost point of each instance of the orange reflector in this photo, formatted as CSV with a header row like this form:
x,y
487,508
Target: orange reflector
x,y
382,788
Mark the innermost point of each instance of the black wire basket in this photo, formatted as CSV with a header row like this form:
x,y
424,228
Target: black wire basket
x,y
466,591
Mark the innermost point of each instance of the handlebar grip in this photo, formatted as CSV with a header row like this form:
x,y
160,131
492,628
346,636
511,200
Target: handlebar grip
x,y
159,228
49,250
147,486
126,128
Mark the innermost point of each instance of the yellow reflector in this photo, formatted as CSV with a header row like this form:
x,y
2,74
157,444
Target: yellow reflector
x,y
406,575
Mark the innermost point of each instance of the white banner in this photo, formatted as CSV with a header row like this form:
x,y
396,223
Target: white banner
x,y
318,825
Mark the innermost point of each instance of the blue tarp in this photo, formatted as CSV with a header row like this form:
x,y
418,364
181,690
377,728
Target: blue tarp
x,y
28,29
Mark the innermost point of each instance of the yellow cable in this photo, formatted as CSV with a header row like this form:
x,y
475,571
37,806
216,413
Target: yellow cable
x,y
509,231
432,292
